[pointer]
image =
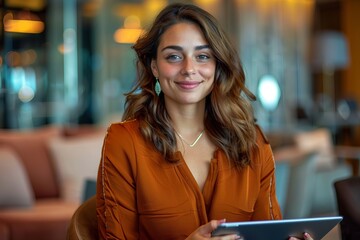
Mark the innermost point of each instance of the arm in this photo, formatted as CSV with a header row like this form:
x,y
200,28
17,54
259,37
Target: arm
x,y
116,200
267,206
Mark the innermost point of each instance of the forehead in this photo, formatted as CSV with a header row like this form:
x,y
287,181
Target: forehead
x,y
183,33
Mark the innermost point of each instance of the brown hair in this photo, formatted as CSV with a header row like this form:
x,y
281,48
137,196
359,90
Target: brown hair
x,y
229,119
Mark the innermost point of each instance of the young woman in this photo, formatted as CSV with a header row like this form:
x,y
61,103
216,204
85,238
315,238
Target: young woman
x,y
188,155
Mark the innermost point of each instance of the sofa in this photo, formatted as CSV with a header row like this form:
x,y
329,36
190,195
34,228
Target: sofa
x,y
43,176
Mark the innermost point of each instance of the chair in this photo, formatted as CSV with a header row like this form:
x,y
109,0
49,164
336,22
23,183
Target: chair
x,y
348,199
294,173
330,167
83,224
299,192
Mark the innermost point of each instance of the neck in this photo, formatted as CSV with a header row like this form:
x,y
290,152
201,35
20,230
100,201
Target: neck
x,y
187,120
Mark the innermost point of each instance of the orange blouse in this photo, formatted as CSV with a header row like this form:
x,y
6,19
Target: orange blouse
x,y
141,196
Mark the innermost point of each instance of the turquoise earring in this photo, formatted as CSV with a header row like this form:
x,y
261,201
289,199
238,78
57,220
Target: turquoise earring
x,y
157,87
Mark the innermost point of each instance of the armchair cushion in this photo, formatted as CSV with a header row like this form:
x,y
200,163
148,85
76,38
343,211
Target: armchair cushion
x,y
15,189
76,160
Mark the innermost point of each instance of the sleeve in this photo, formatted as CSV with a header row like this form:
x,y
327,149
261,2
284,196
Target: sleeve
x,y
116,200
267,206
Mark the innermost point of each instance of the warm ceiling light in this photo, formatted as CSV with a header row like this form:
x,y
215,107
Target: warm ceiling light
x,y
23,22
131,31
24,26
127,35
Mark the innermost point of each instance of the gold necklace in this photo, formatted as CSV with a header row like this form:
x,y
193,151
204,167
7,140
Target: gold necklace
x,y
196,140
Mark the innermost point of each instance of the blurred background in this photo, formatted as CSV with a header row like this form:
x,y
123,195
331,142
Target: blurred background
x,y
69,62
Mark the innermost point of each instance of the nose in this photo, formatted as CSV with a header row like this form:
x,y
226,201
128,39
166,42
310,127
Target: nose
x,y
188,67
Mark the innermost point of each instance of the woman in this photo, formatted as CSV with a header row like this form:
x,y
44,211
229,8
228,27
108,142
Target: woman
x,y
188,154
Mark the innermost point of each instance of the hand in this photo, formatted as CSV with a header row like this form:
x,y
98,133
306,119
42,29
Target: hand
x,y
204,232
306,237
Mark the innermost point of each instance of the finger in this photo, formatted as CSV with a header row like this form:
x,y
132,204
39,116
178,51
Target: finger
x,y
307,236
228,237
232,237
211,226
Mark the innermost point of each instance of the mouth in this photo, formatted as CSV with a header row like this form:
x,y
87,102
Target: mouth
x,y
188,84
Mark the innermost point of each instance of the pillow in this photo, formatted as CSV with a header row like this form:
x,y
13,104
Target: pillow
x,y
31,147
15,188
76,160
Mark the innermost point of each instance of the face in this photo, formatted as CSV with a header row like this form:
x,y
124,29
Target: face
x,y
185,65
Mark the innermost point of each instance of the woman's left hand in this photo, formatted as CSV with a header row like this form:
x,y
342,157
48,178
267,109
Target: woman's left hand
x,y
306,237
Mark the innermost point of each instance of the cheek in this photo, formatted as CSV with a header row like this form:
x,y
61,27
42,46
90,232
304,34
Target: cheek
x,y
208,72
166,70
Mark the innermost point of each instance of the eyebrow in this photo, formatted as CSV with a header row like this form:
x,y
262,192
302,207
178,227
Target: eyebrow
x,y
178,48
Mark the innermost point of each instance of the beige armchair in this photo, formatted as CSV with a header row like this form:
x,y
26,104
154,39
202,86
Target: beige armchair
x,y
330,166
294,177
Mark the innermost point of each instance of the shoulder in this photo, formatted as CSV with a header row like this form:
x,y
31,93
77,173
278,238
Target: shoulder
x,y
263,152
124,132
126,138
260,136
128,124
125,127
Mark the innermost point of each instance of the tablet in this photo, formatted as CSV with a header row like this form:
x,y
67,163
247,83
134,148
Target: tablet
x,y
279,229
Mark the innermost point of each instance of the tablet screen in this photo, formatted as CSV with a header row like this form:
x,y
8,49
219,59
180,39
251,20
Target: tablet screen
x,y
279,229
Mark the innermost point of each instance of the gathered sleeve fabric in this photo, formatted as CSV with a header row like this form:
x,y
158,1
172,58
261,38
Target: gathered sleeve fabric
x,y
266,206
116,198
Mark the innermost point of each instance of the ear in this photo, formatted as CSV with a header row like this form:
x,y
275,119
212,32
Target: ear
x,y
154,68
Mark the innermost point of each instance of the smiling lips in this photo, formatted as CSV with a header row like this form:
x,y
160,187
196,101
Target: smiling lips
x,y
188,84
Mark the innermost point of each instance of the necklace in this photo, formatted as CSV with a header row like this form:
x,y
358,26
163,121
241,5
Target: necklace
x,y
196,140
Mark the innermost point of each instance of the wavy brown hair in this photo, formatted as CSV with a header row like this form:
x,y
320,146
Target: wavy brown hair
x,y
229,120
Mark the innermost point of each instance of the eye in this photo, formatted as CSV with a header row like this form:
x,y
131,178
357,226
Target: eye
x,y
203,57
173,58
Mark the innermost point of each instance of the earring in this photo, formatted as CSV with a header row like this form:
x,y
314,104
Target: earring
x,y
157,87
